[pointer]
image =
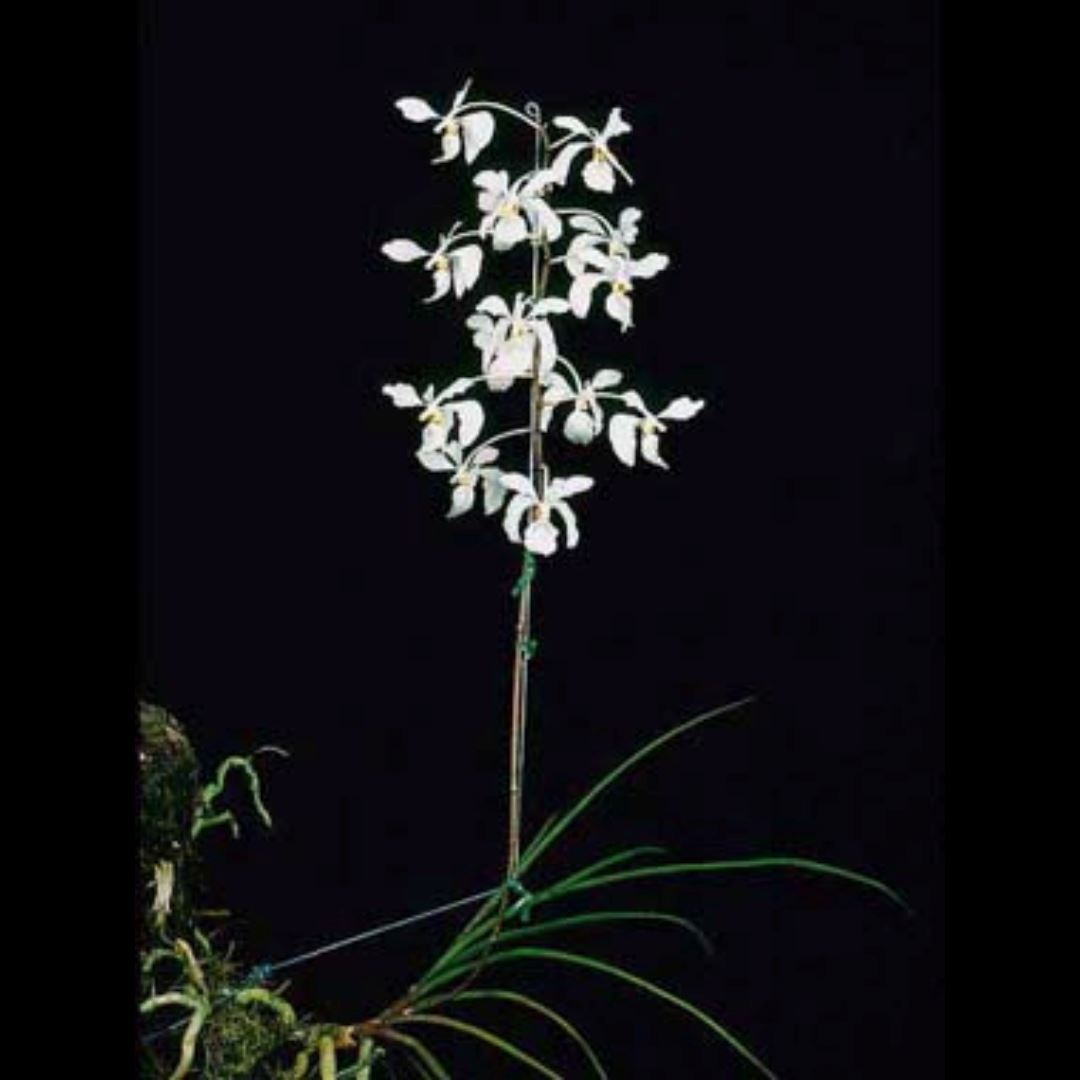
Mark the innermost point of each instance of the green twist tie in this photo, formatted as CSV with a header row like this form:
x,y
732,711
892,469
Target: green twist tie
x,y
528,572
529,647
523,906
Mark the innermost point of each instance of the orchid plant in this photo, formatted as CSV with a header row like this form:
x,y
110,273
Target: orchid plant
x,y
524,340
518,337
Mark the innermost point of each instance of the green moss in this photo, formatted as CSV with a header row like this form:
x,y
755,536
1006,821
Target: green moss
x,y
169,787
238,1038
247,1031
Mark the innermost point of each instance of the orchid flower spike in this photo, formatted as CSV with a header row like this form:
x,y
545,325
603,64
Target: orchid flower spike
x,y
541,536
626,429
466,472
504,204
599,172
586,420
507,338
472,130
459,267
438,414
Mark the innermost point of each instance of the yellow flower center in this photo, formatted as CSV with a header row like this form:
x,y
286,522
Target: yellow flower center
x,y
463,479
441,263
508,209
621,288
432,415
600,155
649,426
451,127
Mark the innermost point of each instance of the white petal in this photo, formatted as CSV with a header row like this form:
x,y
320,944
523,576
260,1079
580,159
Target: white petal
x,y
403,251
433,437
494,305
459,97
558,390
619,167
605,378
633,399
571,123
493,181
569,520
619,307
510,231
451,147
574,257
534,183
587,223
581,293
542,537
606,264
623,433
477,129
435,461
519,483
442,286
494,492
403,395
470,416
579,427
500,376
615,125
551,305
565,486
458,386
560,167
599,176
512,518
461,500
628,228
516,355
649,267
650,450
682,408
484,456
545,220
416,109
465,264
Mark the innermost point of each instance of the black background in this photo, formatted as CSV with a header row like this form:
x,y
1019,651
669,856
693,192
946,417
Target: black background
x,y
300,587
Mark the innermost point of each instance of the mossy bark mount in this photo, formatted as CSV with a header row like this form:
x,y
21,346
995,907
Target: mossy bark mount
x,y
169,776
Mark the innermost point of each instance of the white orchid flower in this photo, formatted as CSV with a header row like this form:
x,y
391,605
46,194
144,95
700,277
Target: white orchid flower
x,y
597,230
626,429
618,271
514,212
459,267
586,420
541,535
507,338
438,414
599,172
466,472
472,130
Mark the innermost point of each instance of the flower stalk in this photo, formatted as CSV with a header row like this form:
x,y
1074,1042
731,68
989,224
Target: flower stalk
x,y
517,342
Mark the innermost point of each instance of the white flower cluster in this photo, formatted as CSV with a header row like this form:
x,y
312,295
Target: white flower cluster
x,y
515,337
